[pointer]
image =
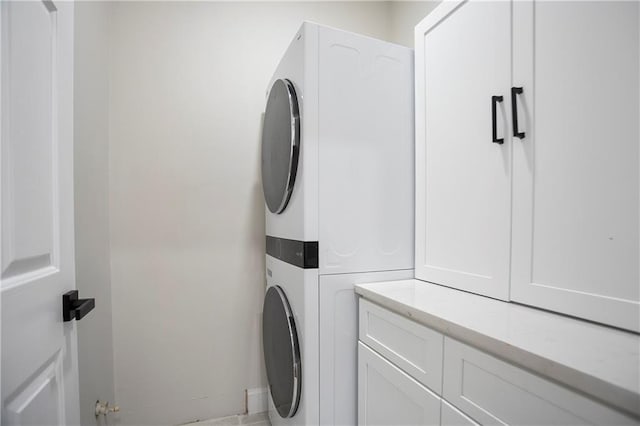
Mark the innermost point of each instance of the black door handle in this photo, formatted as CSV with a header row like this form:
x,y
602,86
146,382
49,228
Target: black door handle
x,y
494,118
515,91
74,308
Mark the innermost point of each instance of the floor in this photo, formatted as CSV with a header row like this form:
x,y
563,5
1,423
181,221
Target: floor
x,y
244,420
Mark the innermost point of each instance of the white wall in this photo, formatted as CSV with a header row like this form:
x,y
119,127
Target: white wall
x,y
91,162
187,217
169,210
403,17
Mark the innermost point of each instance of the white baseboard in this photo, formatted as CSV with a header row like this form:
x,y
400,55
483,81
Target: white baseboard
x,y
257,400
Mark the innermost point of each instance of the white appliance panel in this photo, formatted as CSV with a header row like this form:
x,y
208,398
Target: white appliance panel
x,y
338,343
365,154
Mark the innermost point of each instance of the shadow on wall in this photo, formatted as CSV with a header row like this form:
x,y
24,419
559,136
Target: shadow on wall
x,y
258,231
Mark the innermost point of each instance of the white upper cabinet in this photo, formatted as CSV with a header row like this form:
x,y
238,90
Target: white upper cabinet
x,y
463,178
575,173
550,217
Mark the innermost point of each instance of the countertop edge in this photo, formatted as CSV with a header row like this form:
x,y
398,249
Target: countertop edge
x,y
608,393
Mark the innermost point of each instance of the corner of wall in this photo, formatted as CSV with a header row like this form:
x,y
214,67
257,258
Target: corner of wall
x,y
91,204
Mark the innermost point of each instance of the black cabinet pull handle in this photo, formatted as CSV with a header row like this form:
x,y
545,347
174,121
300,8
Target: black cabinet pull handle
x,y
515,91
74,308
494,118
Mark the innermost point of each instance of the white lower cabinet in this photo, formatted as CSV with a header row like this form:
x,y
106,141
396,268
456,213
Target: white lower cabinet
x,y
413,348
494,392
470,387
388,396
451,416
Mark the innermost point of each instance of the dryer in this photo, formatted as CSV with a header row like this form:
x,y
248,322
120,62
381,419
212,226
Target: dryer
x,y
337,172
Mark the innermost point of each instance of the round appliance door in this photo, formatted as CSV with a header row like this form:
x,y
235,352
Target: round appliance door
x,y
280,145
281,352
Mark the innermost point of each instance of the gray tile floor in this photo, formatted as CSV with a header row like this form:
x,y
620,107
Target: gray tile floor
x,y
240,420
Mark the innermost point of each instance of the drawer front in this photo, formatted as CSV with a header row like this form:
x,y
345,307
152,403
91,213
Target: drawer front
x,y
451,416
388,396
492,391
412,347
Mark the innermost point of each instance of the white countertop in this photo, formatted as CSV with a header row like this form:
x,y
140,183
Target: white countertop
x,y
600,361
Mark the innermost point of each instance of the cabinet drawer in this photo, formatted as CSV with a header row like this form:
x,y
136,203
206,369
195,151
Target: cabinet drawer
x,y
388,396
412,347
451,416
492,391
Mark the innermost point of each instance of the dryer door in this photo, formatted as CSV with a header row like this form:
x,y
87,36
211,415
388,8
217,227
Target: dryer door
x,y
280,145
281,352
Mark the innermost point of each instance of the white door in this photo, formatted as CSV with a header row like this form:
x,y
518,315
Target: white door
x,y
463,177
388,396
576,186
39,355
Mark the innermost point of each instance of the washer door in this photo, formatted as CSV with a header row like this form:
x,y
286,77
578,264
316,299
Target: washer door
x,y
281,352
280,145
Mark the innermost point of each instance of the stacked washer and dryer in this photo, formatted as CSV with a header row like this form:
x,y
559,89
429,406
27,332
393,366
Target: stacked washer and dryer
x,y
337,172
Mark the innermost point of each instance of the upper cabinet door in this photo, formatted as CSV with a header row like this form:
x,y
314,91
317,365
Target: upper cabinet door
x,y
575,171
463,219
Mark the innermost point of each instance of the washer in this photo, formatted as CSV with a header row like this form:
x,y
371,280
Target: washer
x,y
337,172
